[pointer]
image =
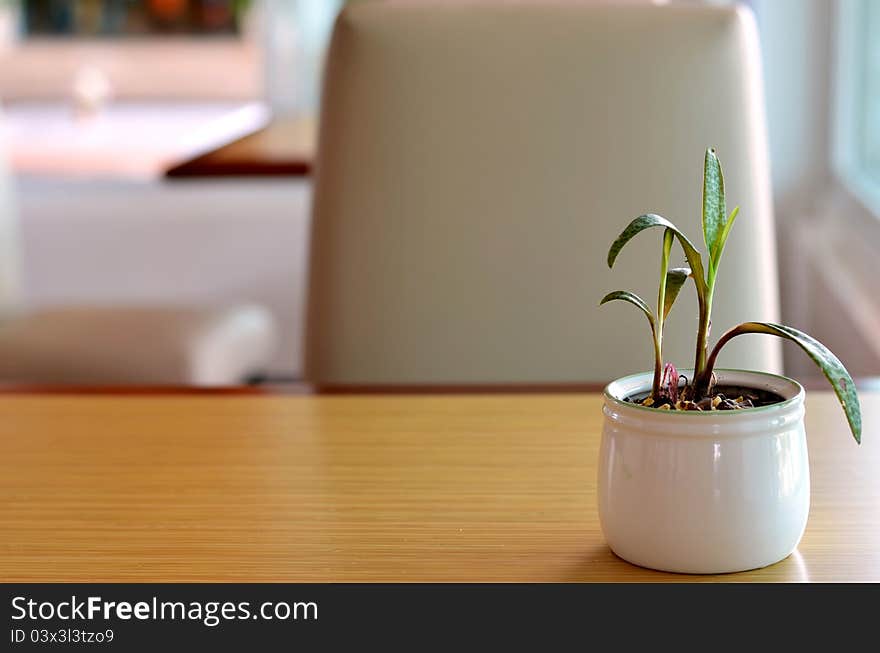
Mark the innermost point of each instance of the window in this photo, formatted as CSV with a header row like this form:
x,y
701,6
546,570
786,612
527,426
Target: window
x,y
857,100
870,106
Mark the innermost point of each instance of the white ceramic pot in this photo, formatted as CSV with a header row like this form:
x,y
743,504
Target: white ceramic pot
x,y
704,492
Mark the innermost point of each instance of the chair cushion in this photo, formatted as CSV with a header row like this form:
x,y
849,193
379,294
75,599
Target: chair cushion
x,y
136,345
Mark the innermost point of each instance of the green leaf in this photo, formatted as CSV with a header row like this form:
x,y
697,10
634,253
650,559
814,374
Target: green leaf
x,y
648,221
714,209
668,241
635,300
830,365
675,279
722,238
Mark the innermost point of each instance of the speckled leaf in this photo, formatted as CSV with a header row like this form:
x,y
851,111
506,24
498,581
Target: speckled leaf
x,y
714,208
675,279
632,298
651,220
722,238
830,365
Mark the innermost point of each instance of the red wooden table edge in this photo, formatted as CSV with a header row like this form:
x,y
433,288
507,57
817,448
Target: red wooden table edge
x,y
209,164
303,388
205,167
51,389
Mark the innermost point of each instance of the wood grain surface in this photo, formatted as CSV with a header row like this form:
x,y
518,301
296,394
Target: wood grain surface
x,y
361,488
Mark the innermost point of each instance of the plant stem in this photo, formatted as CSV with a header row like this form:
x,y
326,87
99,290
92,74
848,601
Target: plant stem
x,y
723,340
668,238
658,368
702,377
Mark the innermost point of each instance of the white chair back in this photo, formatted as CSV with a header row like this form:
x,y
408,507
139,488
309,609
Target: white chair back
x,y
477,160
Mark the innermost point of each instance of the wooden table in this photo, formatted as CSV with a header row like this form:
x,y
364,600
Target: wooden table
x,y
361,488
285,147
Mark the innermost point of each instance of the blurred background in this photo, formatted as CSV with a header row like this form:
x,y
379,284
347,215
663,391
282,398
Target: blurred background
x,y
157,161
101,101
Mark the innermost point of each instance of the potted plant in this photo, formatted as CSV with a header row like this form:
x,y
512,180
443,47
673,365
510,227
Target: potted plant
x,y
706,470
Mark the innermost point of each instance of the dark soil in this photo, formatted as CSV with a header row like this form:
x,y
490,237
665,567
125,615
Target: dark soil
x,y
723,397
